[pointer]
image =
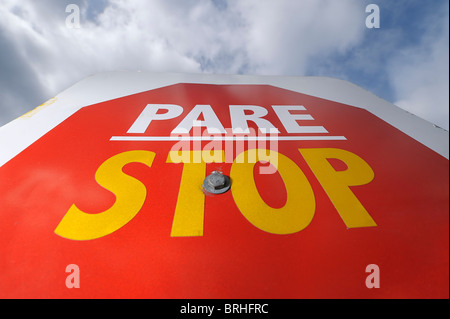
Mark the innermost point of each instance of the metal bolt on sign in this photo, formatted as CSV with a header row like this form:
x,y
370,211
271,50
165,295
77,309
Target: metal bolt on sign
x,y
216,183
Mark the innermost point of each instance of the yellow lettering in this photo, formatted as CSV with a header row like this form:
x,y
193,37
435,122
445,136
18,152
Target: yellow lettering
x,y
336,183
130,196
189,212
300,205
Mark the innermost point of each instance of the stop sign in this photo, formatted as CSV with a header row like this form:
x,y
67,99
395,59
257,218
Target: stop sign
x,y
106,198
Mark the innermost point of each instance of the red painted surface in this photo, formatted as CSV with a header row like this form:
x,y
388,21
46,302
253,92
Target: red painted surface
x,y
408,199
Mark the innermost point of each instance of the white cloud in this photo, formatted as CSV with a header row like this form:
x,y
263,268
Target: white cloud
x,y
420,74
282,37
273,37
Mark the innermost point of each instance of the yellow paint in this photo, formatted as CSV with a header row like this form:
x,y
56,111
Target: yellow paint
x,y
336,183
130,196
39,108
190,209
300,205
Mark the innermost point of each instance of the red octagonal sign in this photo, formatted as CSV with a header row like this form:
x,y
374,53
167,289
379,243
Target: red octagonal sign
x,y
327,200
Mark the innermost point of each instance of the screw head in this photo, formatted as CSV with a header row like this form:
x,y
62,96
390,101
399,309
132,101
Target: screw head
x,y
216,180
216,183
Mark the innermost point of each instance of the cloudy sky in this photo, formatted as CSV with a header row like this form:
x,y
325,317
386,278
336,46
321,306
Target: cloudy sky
x,y
405,60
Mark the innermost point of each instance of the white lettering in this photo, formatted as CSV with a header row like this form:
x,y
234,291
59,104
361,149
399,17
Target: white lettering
x,y
239,119
373,19
73,19
73,280
245,308
373,280
211,121
197,309
240,115
289,120
150,113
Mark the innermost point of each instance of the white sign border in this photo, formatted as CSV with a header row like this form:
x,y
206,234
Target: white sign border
x,y
17,135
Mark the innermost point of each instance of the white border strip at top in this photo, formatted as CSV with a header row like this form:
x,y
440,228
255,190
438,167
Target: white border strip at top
x,y
22,132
